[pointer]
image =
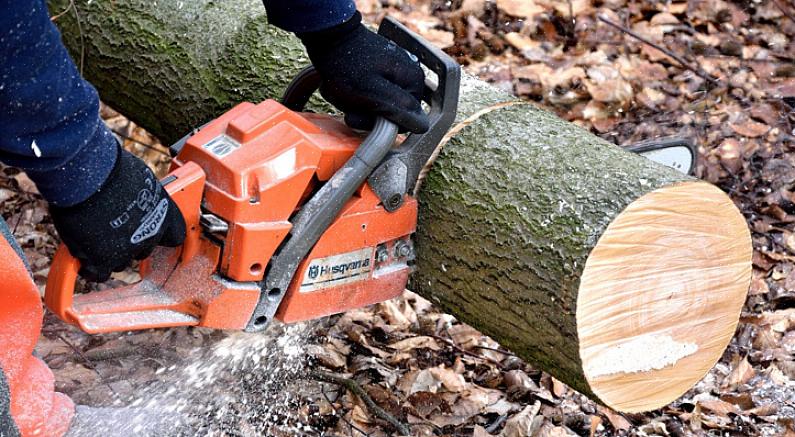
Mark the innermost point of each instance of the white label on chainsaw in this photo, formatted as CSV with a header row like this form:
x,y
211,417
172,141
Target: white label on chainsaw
x,y
337,270
221,146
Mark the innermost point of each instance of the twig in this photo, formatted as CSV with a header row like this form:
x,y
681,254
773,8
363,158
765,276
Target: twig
x,y
357,390
495,349
61,14
347,422
148,146
88,362
784,11
682,61
458,348
571,24
82,38
122,352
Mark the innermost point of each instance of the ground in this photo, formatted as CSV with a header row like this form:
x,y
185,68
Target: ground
x,y
720,73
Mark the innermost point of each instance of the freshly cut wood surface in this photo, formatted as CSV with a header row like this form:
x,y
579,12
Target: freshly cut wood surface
x,y
661,294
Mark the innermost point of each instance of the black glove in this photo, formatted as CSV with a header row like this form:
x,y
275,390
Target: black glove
x,y
126,219
364,74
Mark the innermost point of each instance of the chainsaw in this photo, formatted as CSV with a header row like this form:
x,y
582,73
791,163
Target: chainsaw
x,y
290,215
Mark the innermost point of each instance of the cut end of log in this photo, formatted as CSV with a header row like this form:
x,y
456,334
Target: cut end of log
x,y
661,295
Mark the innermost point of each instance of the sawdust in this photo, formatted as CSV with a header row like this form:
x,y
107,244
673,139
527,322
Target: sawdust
x,y
245,384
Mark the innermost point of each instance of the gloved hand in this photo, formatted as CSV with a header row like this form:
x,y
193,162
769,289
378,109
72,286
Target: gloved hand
x,y
126,219
364,74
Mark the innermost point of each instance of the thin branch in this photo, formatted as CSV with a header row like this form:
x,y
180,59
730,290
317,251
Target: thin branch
x,y
148,146
357,390
496,349
682,61
784,11
61,14
90,364
461,350
80,31
87,362
334,410
123,352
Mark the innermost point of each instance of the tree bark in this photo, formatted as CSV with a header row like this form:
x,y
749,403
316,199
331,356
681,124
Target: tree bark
x,y
513,213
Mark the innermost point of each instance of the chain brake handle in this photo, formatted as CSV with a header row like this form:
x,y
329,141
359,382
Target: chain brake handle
x,y
185,186
398,173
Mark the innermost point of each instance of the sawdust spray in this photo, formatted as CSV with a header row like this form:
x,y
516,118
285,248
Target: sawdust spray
x,y
242,385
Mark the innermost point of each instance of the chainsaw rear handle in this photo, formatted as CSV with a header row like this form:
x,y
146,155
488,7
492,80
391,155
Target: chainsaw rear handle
x,y
184,185
399,171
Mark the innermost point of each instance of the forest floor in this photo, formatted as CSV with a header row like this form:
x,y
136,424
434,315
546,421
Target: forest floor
x,y
720,73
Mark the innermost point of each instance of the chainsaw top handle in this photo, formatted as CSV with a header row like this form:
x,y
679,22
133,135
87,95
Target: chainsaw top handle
x,y
398,173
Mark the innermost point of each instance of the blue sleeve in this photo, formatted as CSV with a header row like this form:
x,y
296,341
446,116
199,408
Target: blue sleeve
x,y
49,115
308,15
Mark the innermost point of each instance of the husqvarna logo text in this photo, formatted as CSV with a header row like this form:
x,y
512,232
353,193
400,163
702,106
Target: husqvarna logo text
x,y
336,270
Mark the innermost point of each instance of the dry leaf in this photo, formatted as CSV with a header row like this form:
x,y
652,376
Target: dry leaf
x,y
452,381
605,84
520,41
750,128
475,7
326,356
465,336
480,431
718,406
368,6
741,373
558,388
25,183
569,8
440,38
433,379
650,98
426,403
412,343
518,384
556,431
764,410
521,8
618,421
521,424
393,315
596,423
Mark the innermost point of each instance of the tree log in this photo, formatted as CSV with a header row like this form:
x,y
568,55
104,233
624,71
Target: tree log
x,y
621,278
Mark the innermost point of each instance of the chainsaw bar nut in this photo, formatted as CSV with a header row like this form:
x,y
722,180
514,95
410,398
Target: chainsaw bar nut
x,y
403,250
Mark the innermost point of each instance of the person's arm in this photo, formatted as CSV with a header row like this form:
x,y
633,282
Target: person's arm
x,y
363,74
49,123
106,204
308,15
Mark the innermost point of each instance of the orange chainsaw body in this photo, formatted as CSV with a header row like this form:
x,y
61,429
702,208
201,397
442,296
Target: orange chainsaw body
x,y
249,171
289,215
